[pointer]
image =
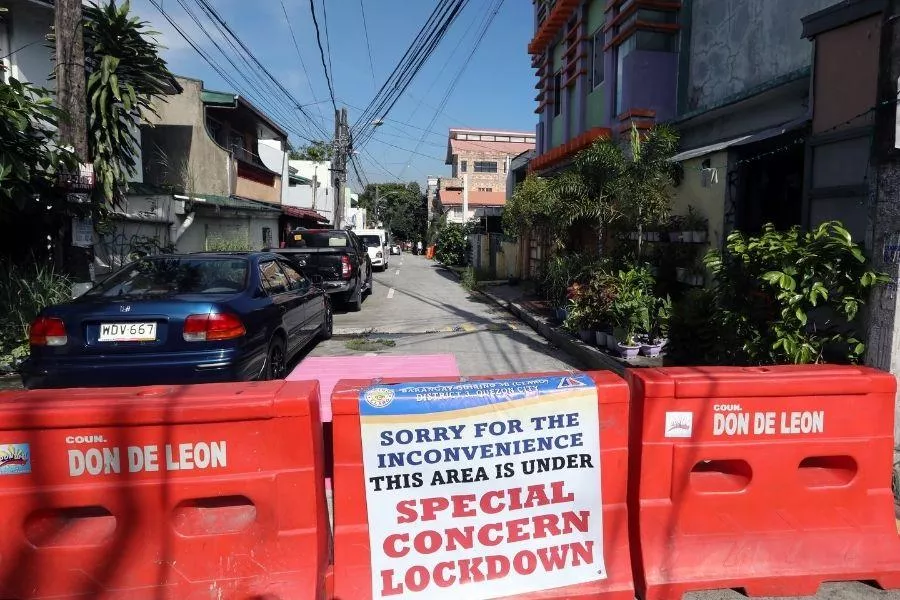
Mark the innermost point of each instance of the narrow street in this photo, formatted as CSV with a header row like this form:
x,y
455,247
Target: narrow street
x,y
423,309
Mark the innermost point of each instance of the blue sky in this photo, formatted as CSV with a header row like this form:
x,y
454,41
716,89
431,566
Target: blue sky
x,y
495,91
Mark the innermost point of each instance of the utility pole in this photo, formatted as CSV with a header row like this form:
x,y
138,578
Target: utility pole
x,y
339,163
70,84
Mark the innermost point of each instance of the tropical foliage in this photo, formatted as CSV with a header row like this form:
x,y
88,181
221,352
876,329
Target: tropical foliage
x,y
779,297
124,75
29,160
24,292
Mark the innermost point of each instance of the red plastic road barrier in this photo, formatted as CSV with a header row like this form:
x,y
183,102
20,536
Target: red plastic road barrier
x,y
354,546
772,480
208,491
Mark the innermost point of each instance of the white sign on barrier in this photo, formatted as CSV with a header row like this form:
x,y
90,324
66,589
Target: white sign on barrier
x,y
482,489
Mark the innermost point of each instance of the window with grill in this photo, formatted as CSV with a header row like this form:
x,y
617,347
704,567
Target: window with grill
x,y
485,166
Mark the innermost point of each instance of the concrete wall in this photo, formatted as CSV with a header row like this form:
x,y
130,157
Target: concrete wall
x,y
186,142
698,189
254,190
737,45
227,224
23,32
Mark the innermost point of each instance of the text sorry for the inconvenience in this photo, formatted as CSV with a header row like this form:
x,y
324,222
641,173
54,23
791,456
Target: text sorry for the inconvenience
x,y
482,489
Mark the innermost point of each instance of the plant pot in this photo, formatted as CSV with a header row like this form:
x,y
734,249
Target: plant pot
x,y
681,273
600,338
586,335
651,350
559,314
612,344
627,351
698,237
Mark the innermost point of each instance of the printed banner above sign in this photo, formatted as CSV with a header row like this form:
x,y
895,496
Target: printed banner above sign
x,y
482,489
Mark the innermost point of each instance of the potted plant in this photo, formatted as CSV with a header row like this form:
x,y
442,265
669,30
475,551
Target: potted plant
x,y
661,310
630,314
696,226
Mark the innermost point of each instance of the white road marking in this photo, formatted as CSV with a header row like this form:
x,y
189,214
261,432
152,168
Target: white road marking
x,y
398,272
391,293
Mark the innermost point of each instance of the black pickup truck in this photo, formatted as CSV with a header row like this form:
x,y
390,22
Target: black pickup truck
x,y
337,257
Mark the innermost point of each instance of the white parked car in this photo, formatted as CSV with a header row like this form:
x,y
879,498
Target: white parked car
x,y
376,245
395,249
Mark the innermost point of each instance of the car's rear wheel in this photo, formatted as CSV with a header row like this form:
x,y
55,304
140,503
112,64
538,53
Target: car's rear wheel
x,y
276,360
328,326
354,301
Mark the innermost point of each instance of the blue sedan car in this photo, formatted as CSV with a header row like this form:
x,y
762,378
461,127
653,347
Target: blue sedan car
x,y
180,319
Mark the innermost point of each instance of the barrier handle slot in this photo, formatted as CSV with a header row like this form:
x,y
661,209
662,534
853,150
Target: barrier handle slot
x,y
720,476
70,526
209,516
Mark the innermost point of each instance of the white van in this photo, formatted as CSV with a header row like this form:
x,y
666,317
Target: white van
x,y
376,242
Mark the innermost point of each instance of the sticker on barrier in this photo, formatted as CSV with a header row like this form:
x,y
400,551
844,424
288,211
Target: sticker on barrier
x,y
491,485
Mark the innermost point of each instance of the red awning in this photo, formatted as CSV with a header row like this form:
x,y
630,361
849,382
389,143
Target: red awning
x,y
303,213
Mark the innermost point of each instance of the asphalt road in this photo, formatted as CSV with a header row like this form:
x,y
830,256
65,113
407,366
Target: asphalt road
x,y
423,310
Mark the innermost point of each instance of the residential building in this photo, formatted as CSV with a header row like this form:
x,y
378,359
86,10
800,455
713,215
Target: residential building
x,y
853,149
25,54
479,162
431,196
207,147
518,170
483,155
462,209
602,66
743,135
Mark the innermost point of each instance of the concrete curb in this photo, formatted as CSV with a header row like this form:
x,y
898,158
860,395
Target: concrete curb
x,y
590,357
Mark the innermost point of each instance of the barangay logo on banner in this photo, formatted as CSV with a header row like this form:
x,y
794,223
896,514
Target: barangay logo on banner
x,y
482,489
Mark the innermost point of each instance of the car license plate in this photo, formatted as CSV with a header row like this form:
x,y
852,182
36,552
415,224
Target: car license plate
x,y
127,332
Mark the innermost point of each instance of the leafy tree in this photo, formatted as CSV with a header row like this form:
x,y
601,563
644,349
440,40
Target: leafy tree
x,y
453,244
318,150
631,186
124,75
400,207
29,160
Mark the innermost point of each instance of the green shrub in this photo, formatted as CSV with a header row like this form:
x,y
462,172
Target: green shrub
x,y
452,245
783,297
469,279
24,292
218,243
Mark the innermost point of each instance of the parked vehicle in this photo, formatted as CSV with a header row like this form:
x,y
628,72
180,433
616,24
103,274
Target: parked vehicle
x,y
376,243
395,249
180,319
338,257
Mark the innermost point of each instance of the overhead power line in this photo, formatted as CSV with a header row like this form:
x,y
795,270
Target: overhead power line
x,y
312,9
212,12
421,48
216,67
485,26
302,63
362,10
